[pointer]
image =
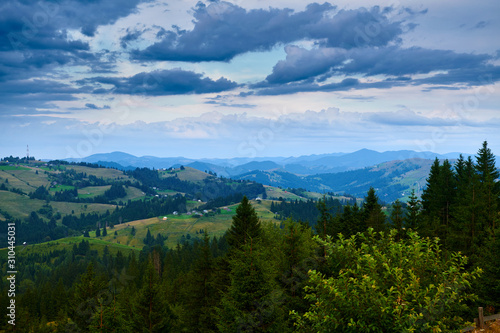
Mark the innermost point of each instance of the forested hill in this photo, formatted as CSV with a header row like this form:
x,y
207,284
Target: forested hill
x,y
425,266
392,180
56,199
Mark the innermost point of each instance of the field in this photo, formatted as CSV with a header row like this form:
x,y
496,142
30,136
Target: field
x,y
133,193
23,178
111,174
177,226
12,167
188,174
92,191
276,192
20,206
67,243
58,188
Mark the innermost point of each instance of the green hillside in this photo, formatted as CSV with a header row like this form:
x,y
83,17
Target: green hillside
x,y
392,180
56,199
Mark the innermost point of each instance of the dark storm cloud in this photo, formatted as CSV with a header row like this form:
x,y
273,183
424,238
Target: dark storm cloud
x,y
43,24
35,43
294,87
223,30
95,107
35,33
131,36
163,82
303,64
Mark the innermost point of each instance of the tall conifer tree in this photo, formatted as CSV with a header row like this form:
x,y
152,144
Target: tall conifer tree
x,y
245,226
412,217
372,212
489,187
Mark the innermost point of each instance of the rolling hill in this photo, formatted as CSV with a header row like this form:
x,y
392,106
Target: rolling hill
x,y
302,165
392,180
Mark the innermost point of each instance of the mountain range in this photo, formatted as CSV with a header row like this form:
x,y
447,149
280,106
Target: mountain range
x,y
392,173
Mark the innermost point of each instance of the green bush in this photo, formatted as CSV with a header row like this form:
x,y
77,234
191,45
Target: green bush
x,y
383,285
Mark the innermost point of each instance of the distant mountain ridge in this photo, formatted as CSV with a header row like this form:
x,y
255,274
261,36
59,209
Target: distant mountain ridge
x,y
392,173
302,165
392,180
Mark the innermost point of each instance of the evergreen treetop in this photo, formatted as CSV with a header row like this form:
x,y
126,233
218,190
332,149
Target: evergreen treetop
x,y
245,226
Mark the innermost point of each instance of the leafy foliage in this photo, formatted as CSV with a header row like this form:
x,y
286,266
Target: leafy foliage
x,y
380,284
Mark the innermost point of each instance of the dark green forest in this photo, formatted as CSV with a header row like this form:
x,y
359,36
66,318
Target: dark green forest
x,y
421,266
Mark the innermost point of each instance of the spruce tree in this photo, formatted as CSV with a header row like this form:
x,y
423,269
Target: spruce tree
x,y
397,218
437,200
85,300
463,230
252,302
245,226
489,187
201,295
151,312
372,212
412,217
352,220
325,219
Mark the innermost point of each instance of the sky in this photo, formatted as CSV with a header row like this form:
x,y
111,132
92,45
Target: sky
x,y
247,78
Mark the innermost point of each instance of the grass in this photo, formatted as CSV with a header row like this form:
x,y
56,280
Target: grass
x,y
20,206
59,188
66,208
178,225
189,174
133,193
174,227
275,192
12,167
168,192
100,172
92,191
68,242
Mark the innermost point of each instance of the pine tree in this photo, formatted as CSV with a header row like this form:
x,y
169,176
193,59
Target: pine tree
x,y
430,201
372,212
245,227
489,187
151,312
149,240
98,232
109,316
437,200
351,221
85,299
464,232
104,231
325,219
412,217
252,302
201,295
397,218
298,249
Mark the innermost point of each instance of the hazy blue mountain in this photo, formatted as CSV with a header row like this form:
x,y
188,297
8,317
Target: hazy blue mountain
x,y
206,167
256,165
128,160
392,180
302,165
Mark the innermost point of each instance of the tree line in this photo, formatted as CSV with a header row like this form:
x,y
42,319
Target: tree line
x,y
421,266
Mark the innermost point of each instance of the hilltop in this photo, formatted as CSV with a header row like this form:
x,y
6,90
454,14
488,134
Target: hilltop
x,y
60,200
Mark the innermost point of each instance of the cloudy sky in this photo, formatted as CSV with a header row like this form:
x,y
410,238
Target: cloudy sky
x,y
245,78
